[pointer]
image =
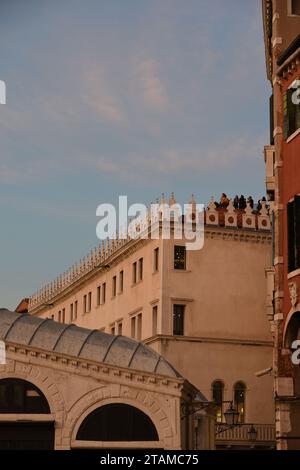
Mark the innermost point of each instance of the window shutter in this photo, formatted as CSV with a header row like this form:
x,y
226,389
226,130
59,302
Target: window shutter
x,y
291,236
285,116
297,231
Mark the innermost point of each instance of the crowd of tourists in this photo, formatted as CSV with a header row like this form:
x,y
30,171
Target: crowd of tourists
x,y
240,202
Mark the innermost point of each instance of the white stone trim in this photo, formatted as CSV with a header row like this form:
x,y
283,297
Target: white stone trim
x,y
294,273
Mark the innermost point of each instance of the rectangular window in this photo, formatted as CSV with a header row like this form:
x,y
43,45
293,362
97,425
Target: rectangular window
x,y
120,328
104,292
139,327
140,269
178,319
89,301
71,312
98,295
295,7
179,257
52,317
113,330
121,282
84,304
132,327
156,260
134,279
154,320
114,286
293,227
291,113
63,315
59,315
75,309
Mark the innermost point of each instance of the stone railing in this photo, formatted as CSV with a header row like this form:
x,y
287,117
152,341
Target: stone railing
x,y
265,433
98,256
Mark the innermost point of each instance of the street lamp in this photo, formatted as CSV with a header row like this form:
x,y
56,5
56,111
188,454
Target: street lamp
x,y
252,433
231,416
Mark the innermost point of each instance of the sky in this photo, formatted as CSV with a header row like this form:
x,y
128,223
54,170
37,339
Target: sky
x,y
120,97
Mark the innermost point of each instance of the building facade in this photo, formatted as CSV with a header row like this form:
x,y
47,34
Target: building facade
x,y
282,46
203,310
64,387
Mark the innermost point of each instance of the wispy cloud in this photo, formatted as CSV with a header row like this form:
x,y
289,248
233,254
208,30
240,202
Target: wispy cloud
x,y
100,98
151,87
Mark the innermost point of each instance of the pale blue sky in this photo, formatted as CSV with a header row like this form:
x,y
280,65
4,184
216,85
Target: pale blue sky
x,y
109,97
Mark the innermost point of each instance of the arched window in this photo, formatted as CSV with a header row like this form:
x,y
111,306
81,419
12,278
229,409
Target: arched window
x,y
239,400
117,422
20,396
217,396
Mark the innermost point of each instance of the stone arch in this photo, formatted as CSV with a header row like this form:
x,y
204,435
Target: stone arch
x,y
105,395
46,383
291,333
291,327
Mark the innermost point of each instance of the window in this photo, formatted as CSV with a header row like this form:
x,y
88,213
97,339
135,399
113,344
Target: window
x,y
179,257
178,319
156,260
291,113
20,396
117,422
63,315
140,269
113,330
154,320
132,327
114,286
293,228
59,315
217,396
75,309
71,312
104,292
136,326
98,295
87,302
52,317
139,327
295,7
120,328
134,279
121,282
239,400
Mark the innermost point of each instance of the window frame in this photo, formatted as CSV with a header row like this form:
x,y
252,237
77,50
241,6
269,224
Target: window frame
x,y
242,415
121,282
219,403
178,326
156,259
179,265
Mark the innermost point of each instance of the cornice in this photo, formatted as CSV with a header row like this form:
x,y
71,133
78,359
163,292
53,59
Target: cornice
x,y
241,235
204,339
100,371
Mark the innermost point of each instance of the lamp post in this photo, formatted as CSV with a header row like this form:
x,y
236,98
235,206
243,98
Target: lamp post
x,y
231,415
252,433
232,421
